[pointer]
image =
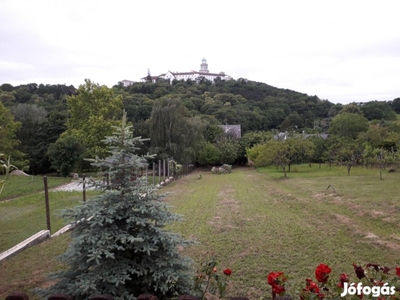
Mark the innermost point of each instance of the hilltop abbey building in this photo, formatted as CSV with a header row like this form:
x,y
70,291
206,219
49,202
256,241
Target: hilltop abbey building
x,y
193,75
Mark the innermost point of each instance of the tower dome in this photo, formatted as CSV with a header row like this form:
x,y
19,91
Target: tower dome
x,y
204,66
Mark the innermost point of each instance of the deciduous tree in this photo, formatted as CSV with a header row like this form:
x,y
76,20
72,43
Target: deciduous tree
x,y
173,132
348,125
65,154
281,153
8,138
209,155
93,110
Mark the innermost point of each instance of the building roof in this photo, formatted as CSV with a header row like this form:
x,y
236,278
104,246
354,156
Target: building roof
x,y
202,72
286,135
235,130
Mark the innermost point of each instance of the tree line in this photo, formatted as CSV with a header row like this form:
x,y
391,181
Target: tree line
x,y
49,128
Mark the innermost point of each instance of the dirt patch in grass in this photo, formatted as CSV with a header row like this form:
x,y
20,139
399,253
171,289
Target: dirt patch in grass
x,y
323,196
369,236
227,207
227,200
377,213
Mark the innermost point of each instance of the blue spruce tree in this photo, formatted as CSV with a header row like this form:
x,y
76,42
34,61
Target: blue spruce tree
x,y
120,245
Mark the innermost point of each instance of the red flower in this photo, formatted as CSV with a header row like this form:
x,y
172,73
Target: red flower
x,y
277,289
311,287
343,278
214,270
277,280
321,273
398,271
373,266
228,272
359,271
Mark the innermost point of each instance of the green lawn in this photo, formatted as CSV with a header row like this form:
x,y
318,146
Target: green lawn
x,y
22,217
17,186
28,269
256,221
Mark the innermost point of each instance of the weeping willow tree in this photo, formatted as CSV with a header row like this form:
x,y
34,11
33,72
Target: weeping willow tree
x,y
173,133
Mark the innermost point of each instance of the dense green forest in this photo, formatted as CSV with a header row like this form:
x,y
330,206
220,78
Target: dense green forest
x,y
53,127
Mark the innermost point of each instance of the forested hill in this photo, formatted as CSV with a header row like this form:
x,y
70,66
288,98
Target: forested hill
x,y
33,116
253,105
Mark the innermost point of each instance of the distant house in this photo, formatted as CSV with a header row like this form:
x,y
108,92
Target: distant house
x,y
281,136
126,82
192,75
234,130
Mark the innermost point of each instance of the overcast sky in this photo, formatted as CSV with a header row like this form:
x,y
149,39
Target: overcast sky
x,y
342,51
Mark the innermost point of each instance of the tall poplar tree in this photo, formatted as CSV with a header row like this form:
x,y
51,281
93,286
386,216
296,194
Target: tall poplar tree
x,y
120,244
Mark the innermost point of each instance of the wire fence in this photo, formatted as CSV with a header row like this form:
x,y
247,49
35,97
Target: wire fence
x,y
23,216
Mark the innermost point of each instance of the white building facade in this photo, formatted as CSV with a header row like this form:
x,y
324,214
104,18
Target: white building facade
x,y
192,75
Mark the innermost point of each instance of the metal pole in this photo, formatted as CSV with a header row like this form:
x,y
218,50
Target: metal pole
x,y
154,173
84,188
159,171
46,199
164,168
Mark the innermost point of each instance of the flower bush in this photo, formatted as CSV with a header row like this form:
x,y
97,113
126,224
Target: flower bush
x,y
208,282
277,281
372,282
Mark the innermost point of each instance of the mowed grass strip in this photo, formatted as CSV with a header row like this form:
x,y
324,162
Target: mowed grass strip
x,y
22,217
255,223
373,205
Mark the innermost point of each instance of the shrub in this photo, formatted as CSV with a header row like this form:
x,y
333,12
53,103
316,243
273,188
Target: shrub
x,y
224,169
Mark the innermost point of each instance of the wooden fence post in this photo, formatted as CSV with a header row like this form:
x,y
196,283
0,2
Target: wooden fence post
x,y
168,167
46,199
